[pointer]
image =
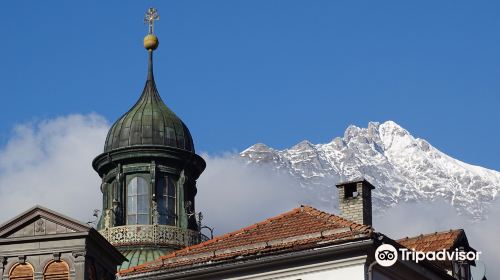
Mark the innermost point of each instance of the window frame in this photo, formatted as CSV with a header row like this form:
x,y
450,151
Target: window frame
x,y
166,191
147,196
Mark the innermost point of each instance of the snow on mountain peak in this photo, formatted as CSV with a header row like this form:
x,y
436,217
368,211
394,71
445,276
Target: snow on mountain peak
x,y
303,145
402,167
258,147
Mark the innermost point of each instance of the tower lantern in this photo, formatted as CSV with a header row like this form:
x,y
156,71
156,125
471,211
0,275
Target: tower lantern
x,y
149,170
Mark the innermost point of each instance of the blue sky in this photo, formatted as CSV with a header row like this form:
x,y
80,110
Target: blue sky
x,y
278,72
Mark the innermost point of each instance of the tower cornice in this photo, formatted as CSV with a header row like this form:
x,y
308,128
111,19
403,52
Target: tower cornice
x,y
180,158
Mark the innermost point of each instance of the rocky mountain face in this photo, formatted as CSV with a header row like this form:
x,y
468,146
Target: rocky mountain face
x,y
402,167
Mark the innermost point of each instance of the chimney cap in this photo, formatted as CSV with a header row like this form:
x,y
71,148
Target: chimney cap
x,y
355,181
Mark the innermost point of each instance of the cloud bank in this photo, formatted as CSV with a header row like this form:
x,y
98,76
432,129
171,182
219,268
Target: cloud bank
x,y
232,194
49,163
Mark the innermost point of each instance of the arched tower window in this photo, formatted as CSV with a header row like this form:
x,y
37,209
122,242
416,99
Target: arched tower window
x,y
138,206
56,270
166,201
21,272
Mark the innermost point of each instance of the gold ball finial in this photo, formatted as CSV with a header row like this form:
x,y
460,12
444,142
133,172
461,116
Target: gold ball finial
x,y
151,42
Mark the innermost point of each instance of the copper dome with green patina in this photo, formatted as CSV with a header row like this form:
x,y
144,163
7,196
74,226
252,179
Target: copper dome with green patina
x,y
149,123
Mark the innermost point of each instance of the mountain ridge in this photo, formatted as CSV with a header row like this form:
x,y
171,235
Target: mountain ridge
x,y
402,167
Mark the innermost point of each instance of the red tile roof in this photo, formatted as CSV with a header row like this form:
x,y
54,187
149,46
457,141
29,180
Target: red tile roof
x,y
301,228
433,242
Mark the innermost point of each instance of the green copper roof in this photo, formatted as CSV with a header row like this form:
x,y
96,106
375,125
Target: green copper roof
x,y
149,122
139,256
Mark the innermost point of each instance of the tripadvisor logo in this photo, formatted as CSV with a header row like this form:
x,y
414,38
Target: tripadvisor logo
x,y
386,255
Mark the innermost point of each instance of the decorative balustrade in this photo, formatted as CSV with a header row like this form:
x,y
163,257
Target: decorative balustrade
x,y
162,235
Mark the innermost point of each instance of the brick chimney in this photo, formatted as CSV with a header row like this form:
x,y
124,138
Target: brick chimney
x,y
355,201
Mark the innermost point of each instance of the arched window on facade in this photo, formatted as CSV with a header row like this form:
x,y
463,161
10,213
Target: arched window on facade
x,y
138,206
167,194
21,272
56,270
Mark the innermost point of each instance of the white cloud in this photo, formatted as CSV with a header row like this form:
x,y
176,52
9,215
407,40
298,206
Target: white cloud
x,y
232,194
49,163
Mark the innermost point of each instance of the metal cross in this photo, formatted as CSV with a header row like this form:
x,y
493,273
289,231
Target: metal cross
x,y
150,17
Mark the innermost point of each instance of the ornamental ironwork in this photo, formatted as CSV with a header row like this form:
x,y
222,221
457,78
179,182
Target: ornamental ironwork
x,y
162,235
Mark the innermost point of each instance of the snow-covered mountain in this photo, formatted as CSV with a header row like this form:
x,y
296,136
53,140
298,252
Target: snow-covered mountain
x,y
402,168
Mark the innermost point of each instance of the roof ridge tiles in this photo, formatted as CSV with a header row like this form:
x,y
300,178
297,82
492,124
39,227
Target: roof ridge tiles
x,y
459,230
332,218
229,234
434,241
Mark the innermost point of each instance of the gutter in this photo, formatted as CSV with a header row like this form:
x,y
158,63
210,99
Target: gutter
x,y
202,270
370,270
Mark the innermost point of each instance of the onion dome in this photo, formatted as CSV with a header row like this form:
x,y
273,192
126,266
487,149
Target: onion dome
x,y
149,122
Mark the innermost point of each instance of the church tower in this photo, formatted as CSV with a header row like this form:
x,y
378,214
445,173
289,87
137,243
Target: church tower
x,y
149,170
